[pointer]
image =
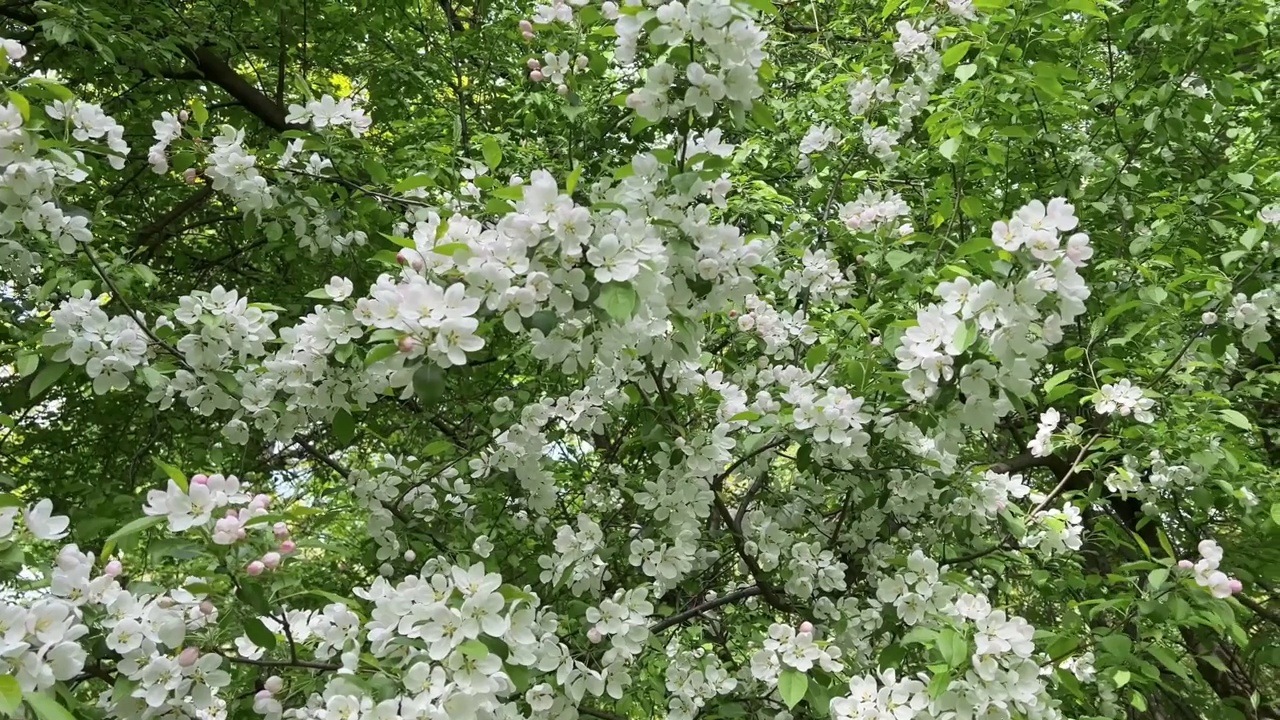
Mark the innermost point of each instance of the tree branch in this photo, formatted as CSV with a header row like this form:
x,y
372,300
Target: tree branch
x,y
708,606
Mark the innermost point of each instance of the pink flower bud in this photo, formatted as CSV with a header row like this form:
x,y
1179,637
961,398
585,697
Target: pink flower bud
x,y
527,35
263,500
271,560
526,26
562,89
241,534
594,635
183,116
199,479
281,531
188,657
273,685
408,344
189,175
535,75
263,695
1235,586
533,64
207,607
287,547
1185,565
255,568
113,568
806,627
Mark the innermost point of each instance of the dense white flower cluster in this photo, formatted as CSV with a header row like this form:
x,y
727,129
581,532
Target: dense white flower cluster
x,y
784,647
34,174
1124,398
1054,530
1252,314
732,46
109,348
328,112
1206,572
872,211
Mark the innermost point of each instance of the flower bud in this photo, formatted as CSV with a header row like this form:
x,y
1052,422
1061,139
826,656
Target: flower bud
x,y
188,657
287,547
562,90
609,10
255,568
408,344
526,26
410,556
1185,565
527,35
386,570
199,479
806,627
113,568
273,685
582,62
165,603
1235,586
1209,318
281,531
183,116
594,635
241,534
189,175
263,695
535,75
263,500
207,607
271,560
533,64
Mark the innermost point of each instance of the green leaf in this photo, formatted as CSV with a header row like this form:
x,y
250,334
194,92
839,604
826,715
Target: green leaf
x,y
437,447
949,147
966,71
955,53
1156,578
572,182
413,182
344,428
764,6
1241,179
132,528
199,112
259,634
172,473
1275,513
10,695
954,647
47,376
20,102
619,300
380,352
46,707
492,152
428,383
27,363
1122,678
1235,417
792,685
898,259
474,649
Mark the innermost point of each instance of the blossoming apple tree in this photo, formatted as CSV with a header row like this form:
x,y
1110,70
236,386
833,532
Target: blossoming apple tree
x,y
711,359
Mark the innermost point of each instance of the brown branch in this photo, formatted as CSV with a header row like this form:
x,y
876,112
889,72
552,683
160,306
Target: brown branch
x,y
708,606
151,237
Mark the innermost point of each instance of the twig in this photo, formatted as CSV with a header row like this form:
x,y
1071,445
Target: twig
x,y
708,606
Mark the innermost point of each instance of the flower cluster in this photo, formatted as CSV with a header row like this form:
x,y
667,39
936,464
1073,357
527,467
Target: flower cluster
x,y
1124,398
328,112
1252,314
788,647
1207,574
